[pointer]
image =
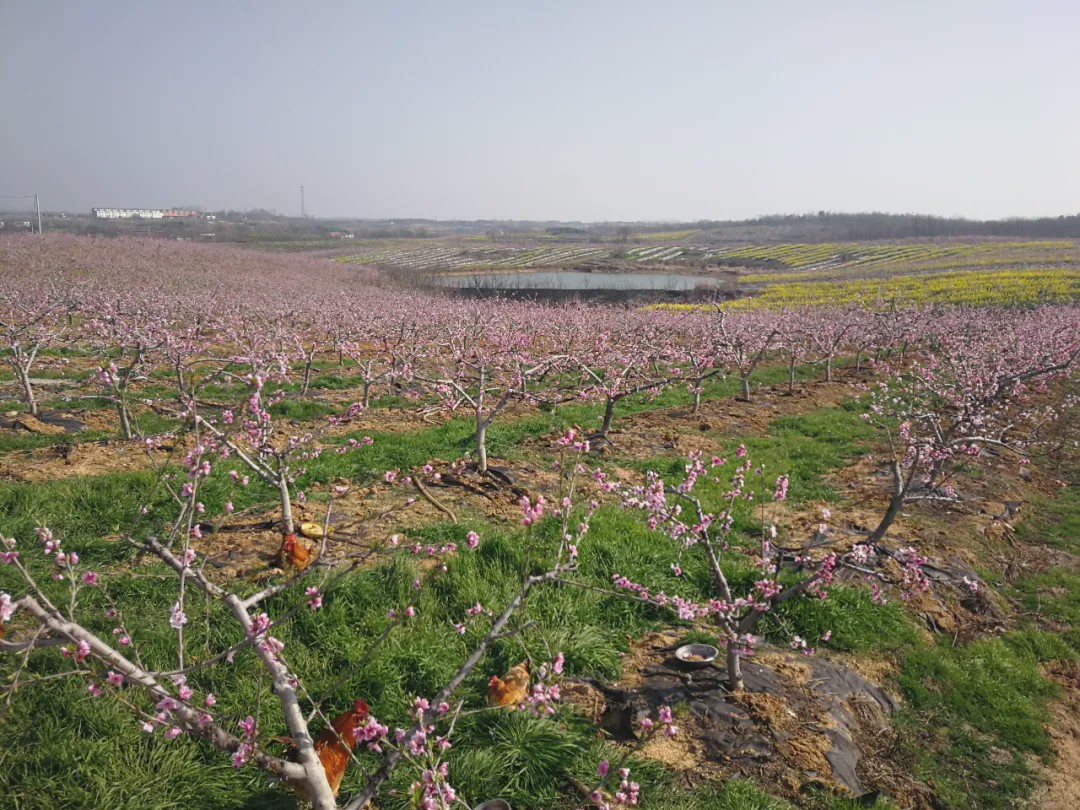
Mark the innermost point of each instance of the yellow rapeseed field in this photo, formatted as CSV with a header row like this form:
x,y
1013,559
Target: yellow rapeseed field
x,y
1008,287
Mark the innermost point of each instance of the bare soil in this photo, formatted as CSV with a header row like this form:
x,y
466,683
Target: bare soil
x,y
86,458
1061,789
800,721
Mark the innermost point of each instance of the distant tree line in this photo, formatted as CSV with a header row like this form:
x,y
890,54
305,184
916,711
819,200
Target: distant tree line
x,y
262,225
828,226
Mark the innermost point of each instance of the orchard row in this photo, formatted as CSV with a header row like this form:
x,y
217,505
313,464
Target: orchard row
x,y
215,338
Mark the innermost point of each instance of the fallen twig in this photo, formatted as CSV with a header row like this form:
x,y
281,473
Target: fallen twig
x,y
433,500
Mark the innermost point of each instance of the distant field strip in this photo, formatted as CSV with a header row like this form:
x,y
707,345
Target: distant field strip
x,y
771,263
810,261
443,258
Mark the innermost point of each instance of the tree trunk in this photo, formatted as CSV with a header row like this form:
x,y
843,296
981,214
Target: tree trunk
x,y
481,445
828,369
367,393
746,387
125,418
791,375
895,505
858,360
318,789
734,668
307,376
28,390
287,526
609,415
697,398
323,800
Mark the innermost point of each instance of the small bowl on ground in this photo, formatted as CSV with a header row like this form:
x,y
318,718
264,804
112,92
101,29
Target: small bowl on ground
x,y
696,655
312,530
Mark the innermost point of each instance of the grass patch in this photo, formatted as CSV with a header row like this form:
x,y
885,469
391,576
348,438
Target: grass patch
x,y
1051,598
974,715
977,714
1053,595
81,511
301,409
1055,521
808,446
153,424
118,764
416,659
857,624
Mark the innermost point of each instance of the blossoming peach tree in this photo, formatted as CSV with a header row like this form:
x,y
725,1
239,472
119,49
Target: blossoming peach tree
x,y
783,573
974,389
29,322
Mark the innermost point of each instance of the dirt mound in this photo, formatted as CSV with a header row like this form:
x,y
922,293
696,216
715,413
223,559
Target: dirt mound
x,y
801,720
363,518
72,460
46,422
1061,790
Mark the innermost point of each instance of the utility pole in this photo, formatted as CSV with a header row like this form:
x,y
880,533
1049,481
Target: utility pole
x,y
302,214
37,207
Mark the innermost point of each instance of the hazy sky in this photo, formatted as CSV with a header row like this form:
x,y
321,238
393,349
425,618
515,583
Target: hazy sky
x,y
583,110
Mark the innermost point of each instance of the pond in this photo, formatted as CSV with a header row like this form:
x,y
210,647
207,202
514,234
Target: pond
x,y
570,280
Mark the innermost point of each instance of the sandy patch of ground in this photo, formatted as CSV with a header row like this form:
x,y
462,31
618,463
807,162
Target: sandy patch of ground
x,y
84,459
683,752
1061,790
362,519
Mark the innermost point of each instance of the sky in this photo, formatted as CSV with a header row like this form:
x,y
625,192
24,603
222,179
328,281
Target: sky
x,y
586,110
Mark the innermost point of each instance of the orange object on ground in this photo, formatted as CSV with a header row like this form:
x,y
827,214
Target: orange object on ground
x,y
512,689
293,553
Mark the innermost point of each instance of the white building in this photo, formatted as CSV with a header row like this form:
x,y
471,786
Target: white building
x,y
129,213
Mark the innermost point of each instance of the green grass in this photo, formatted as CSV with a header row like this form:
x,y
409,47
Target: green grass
x,y
517,757
456,436
856,623
1055,521
150,424
301,409
416,659
808,446
976,713
153,424
80,510
1052,595
84,754
804,447
337,382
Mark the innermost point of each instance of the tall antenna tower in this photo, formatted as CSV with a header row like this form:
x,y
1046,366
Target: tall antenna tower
x,y
303,213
